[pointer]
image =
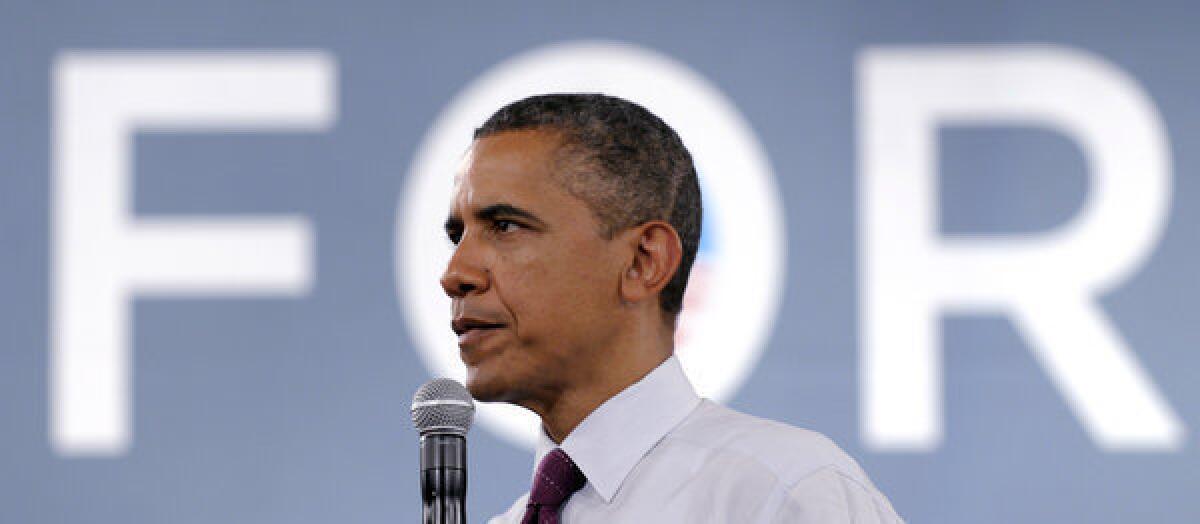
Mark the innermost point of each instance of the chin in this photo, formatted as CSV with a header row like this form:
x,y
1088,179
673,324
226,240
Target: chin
x,y
484,386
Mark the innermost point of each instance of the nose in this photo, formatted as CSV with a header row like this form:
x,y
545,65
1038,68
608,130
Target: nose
x,y
465,272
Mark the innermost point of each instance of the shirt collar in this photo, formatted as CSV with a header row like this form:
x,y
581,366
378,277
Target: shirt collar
x,y
614,437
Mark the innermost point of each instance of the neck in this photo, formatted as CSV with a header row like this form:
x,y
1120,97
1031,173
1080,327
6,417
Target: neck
x,y
629,360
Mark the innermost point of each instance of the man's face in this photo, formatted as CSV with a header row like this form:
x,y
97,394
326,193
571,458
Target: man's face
x,y
533,282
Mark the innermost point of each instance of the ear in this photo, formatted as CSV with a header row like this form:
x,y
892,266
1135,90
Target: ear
x,y
656,255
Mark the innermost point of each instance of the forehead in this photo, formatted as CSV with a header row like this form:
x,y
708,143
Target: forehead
x,y
515,167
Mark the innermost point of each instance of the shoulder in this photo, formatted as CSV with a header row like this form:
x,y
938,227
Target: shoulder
x,y
814,480
720,465
788,452
829,495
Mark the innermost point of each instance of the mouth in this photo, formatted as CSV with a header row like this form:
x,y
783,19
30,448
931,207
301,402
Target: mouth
x,y
472,331
463,325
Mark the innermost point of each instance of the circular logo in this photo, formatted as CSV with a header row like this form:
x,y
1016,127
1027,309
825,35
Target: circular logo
x,y
734,291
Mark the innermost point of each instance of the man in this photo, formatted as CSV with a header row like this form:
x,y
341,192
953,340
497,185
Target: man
x,y
576,219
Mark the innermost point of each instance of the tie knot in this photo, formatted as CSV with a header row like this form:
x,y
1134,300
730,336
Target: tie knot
x,y
556,479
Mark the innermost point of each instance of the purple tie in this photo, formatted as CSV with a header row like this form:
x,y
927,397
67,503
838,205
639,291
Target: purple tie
x,y
556,479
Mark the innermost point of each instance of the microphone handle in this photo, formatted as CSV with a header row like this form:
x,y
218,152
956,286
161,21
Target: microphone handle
x,y
443,479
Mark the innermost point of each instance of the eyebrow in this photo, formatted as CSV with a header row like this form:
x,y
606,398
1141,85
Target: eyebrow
x,y
495,211
454,222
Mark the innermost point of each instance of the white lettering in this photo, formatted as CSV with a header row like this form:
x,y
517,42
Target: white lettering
x,y
1047,283
103,255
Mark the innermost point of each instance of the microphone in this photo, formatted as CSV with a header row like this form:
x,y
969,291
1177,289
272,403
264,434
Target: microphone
x,y
442,411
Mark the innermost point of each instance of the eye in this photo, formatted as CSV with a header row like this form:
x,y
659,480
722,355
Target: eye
x,y
454,235
505,226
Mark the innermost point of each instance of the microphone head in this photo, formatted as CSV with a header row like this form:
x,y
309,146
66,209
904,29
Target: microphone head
x,y
442,405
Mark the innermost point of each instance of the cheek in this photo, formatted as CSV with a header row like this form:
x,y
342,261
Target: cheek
x,y
555,293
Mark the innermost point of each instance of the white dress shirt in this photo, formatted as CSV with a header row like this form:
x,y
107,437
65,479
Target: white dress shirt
x,y
656,452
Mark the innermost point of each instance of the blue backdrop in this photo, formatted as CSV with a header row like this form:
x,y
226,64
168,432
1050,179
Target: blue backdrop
x,y
294,408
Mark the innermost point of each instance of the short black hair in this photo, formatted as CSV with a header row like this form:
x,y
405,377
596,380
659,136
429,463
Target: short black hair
x,y
635,167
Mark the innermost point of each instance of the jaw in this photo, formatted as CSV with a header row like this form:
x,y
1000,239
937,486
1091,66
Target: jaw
x,y
506,377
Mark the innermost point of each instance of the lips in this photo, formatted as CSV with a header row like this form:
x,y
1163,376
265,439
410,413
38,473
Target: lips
x,y
463,325
472,331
